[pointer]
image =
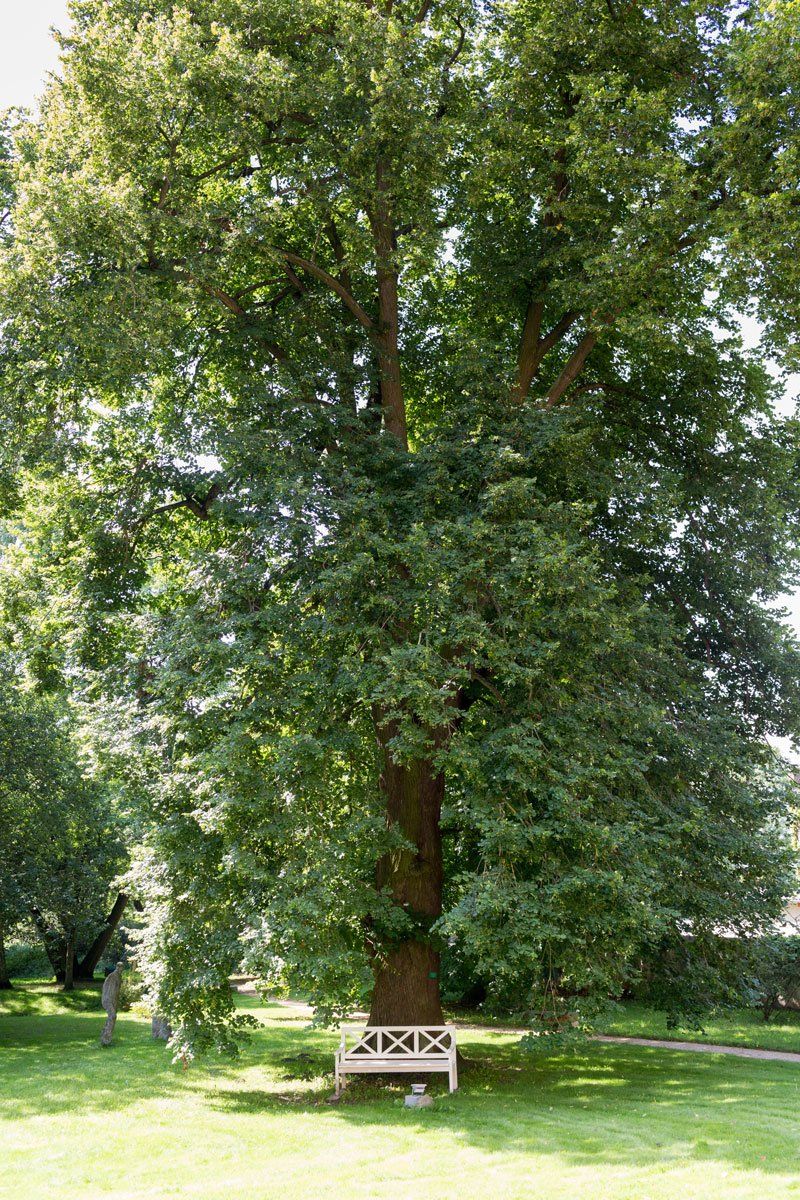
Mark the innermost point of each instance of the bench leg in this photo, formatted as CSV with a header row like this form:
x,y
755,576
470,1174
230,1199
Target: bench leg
x,y
453,1077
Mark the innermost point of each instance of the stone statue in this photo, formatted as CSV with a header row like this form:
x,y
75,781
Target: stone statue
x,y
110,1000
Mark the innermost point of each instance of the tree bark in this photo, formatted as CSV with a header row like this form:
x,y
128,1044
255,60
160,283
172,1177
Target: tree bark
x,y
69,964
5,978
533,348
572,370
407,975
387,338
87,966
529,355
56,944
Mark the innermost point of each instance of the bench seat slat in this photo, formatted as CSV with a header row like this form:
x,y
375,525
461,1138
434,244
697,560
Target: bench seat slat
x,y
390,1065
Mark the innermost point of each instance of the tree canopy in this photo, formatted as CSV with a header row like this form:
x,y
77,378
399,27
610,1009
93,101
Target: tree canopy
x,y
395,481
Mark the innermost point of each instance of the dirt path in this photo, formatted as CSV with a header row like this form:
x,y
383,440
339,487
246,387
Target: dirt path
x,y
701,1047
245,988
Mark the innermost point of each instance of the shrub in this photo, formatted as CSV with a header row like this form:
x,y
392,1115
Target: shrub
x,y
777,973
26,960
131,990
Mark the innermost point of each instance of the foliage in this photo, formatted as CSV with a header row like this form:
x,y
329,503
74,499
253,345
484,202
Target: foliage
x,y
388,447
691,976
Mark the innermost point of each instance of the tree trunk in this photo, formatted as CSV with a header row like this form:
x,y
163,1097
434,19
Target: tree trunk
x,y
55,946
5,978
87,966
69,964
384,236
407,975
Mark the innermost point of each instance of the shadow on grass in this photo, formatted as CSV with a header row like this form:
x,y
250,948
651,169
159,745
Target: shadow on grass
x,y
53,1063
48,999
598,1105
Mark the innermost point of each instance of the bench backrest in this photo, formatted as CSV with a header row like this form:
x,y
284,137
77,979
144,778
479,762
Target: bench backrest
x,y
398,1041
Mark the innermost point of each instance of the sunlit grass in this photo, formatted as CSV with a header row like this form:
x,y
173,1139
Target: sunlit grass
x,y
606,1122
740,1027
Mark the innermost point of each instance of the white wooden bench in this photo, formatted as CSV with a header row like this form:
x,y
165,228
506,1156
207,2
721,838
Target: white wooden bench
x,y
391,1049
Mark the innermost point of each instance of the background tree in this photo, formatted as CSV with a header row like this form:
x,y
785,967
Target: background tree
x,y
407,478
26,782
69,884
61,842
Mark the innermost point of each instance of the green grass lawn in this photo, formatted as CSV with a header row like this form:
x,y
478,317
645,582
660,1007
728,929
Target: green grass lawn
x,y
741,1027
607,1122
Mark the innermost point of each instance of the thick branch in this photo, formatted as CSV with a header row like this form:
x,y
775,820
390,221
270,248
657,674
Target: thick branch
x,y
349,339
196,505
573,368
333,283
332,234
557,332
199,506
52,941
231,303
533,347
218,293
86,967
529,357
441,108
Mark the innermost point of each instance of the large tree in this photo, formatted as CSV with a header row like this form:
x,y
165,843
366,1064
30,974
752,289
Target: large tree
x,y
399,465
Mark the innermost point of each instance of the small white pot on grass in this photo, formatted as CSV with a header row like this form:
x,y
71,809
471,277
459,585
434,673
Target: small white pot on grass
x,y
418,1099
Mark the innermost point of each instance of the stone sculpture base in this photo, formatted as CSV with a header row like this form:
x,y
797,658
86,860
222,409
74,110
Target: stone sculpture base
x,y
108,1030
160,1029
